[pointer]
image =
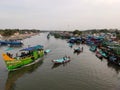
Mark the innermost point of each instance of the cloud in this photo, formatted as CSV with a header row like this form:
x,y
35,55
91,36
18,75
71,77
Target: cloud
x,y
55,14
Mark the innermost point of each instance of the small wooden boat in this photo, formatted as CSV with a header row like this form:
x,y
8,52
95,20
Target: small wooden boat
x,y
103,54
114,59
48,36
61,60
27,58
93,48
47,51
71,45
99,55
72,40
77,50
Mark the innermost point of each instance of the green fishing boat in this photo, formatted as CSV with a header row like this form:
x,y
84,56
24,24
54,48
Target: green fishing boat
x,y
103,53
93,48
28,56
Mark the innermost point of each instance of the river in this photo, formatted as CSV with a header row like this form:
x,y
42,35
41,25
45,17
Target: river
x,y
84,72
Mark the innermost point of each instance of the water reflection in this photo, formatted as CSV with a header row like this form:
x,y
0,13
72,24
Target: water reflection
x,y
113,66
76,53
14,75
57,65
83,69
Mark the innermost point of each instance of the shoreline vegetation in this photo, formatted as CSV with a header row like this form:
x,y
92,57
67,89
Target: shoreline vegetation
x,y
113,33
16,34
7,34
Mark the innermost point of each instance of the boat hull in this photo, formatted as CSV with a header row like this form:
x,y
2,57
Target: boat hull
x,y
93,49
99,55
61,61
17,63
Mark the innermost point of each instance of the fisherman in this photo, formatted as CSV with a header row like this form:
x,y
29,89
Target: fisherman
x,y
16,54
65,57
45,52
82,49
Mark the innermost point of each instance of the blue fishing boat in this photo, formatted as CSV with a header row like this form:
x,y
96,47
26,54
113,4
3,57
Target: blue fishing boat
x,y
72,40
11,42
61,60
75,40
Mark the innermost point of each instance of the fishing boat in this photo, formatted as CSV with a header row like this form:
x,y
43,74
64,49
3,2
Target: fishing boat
x,y
104,54
77,50
11,42
114,59
71,45
61,60
47,51
99,55
93,48
27,57
48,36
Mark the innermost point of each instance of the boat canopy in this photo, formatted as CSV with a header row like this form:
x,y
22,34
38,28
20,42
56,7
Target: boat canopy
x,y
32,48
9,49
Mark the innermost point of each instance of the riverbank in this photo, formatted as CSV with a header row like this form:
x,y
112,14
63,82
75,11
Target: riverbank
x,y
18,36
22,36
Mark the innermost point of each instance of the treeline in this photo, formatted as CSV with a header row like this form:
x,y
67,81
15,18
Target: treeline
x,y
9,32
92,31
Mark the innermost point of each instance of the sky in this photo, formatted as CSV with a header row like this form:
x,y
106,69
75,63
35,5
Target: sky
x,y
60,14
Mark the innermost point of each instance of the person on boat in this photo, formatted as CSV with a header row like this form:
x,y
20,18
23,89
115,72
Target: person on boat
x,y
82,49
32,58
65,57
45,52
16,54
10,55
7,53
38,52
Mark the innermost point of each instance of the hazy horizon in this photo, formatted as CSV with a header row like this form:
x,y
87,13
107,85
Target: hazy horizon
x,y
60,14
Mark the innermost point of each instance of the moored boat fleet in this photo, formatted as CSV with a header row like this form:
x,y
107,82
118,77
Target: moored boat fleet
x,y
30,55
105,49
102,47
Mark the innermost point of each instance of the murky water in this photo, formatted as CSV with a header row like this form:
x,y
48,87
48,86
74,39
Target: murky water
x,y
84,72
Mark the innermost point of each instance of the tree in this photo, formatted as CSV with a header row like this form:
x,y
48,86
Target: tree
x,y
8,32
77,32
118,36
